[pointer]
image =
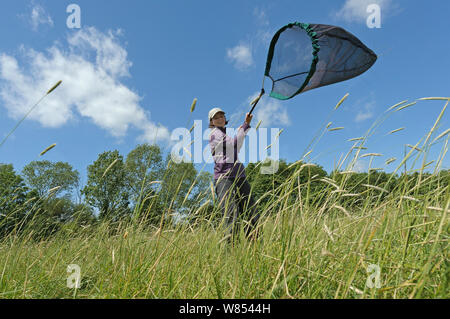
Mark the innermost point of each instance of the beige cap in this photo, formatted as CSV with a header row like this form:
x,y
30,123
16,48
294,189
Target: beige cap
x,y
214,111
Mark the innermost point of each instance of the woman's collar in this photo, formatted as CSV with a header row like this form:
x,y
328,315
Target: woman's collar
x,y
223,129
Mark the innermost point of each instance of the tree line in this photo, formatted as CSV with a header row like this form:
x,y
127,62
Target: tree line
x,y
149,187
117,188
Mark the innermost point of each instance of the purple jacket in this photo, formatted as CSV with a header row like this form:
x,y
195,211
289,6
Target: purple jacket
x,y
225,151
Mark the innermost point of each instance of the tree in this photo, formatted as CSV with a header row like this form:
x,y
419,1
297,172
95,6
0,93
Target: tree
x,y
52,215
182,187
177,179
143,166
44,175
266,186
106,186
13,195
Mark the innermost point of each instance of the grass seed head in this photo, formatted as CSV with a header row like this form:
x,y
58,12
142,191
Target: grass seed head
x,y
54,87
375,187
109,167
394,106
435,98
193,105
341,101
405,106
397,130
257,125
390,160
371,154
47,149
336,128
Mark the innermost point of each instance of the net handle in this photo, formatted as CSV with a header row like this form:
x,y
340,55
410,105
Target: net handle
x,y
255,101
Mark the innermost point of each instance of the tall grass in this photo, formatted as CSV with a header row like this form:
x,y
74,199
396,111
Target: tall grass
x,y
310,246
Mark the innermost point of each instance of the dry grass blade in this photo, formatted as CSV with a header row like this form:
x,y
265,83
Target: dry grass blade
x,y
328,181
309,152
355,139
435,98
109,167
193,105
390,160
326,253
375,187
405,106
394,106
371,154
54,189
28,113
295,163
427,164
358,291
414,147
308,165
347,172
410,198
336,129
257,125
442,135
211,188
47,149
397,130
54,87
439,209
279,133
329,233
342,209
350,195
187,151
341,101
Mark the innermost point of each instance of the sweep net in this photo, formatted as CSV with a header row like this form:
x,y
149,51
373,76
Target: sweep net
x,y
307,56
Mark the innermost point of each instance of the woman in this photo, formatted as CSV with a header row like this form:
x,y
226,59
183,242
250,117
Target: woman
x,y
232,187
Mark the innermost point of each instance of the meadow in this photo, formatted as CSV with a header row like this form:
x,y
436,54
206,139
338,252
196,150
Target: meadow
x,y
378,240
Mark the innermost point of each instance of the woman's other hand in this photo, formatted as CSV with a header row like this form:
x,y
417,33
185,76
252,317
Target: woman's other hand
x,y
248,118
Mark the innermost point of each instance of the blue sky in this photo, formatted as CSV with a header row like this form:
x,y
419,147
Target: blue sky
x,y
133,69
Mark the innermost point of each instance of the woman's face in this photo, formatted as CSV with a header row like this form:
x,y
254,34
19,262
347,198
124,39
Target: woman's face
x,y
219,119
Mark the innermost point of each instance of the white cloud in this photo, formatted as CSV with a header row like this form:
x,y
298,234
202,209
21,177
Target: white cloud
x,y
264,34
356,10
261,16
264,37
91,69
367,112
359,166
39,16
270,112
241,56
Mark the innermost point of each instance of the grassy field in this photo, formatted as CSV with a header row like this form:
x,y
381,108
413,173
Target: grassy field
x,y
394,246
299,256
